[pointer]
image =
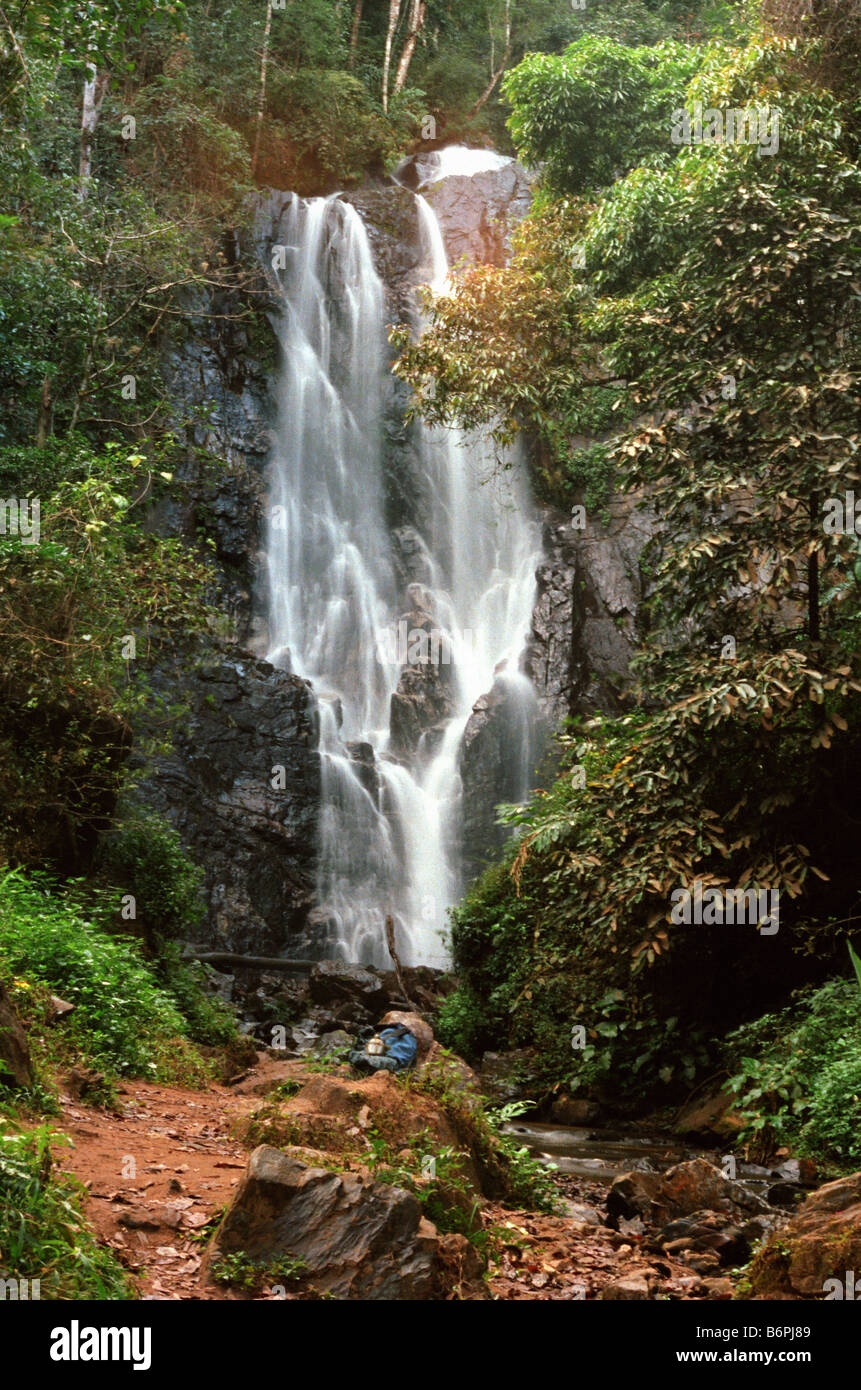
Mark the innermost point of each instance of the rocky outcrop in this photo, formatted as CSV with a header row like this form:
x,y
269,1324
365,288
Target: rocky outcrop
x,y
218,378
693,1213
590,592
355,1238
478,212
424,700
818,1252
683,1189
336,982
241,785
16,1068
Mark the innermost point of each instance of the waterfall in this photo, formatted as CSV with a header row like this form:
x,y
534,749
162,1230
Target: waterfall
x,y
388,822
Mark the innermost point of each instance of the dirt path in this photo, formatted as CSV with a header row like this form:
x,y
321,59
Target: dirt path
x,y
160,1169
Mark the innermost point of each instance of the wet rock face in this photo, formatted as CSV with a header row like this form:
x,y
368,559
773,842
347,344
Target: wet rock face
x,y
424,699
494,767
584,624
390,216
241,785
218,382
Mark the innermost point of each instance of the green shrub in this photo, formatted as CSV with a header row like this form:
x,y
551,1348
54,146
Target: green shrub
x,y
507,1170
210,1020
189,150
590,470
465,1023
43,1233
68,686
238,1270
122,1016
325,130
529,1181
797,1074
834,1123
146,856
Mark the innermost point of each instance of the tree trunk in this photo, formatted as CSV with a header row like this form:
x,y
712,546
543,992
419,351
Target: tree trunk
x,y
418,11
495,76
251,962
95,88
394,16
813,620
261,99
354,33
43,426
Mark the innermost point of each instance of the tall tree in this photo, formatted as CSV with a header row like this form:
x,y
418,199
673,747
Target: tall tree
x,y
354,32
496,72
418,11
394,16
96,85
261,93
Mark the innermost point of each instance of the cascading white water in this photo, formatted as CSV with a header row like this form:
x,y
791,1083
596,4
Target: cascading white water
x,y
388,828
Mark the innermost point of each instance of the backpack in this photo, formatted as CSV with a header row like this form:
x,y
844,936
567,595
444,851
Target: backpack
x,y
398,1051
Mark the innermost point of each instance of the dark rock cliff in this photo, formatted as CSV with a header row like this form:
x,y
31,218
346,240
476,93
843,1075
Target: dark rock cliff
x,y
241,783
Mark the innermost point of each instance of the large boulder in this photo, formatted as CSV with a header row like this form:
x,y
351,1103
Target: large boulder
x,y
357,1238
821,1242
478,212
708,1114
15,1066
421,1031
336,981
694,1186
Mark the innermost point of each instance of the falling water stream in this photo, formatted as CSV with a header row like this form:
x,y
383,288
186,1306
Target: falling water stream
x,y
389,825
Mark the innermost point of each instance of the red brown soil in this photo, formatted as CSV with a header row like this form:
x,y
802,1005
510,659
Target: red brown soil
x,y
166,1163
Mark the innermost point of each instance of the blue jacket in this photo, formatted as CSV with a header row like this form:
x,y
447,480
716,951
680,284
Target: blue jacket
x,y
401,1046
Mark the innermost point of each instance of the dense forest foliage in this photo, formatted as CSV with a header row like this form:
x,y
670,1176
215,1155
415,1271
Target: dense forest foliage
x,y
687,301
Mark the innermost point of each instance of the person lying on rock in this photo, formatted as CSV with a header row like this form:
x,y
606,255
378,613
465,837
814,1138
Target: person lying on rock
x,y
390,1048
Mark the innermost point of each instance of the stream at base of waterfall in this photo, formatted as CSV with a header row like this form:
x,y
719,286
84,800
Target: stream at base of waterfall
x,y
389,823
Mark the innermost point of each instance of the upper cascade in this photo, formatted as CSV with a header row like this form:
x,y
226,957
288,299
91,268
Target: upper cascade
x,y
432,166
